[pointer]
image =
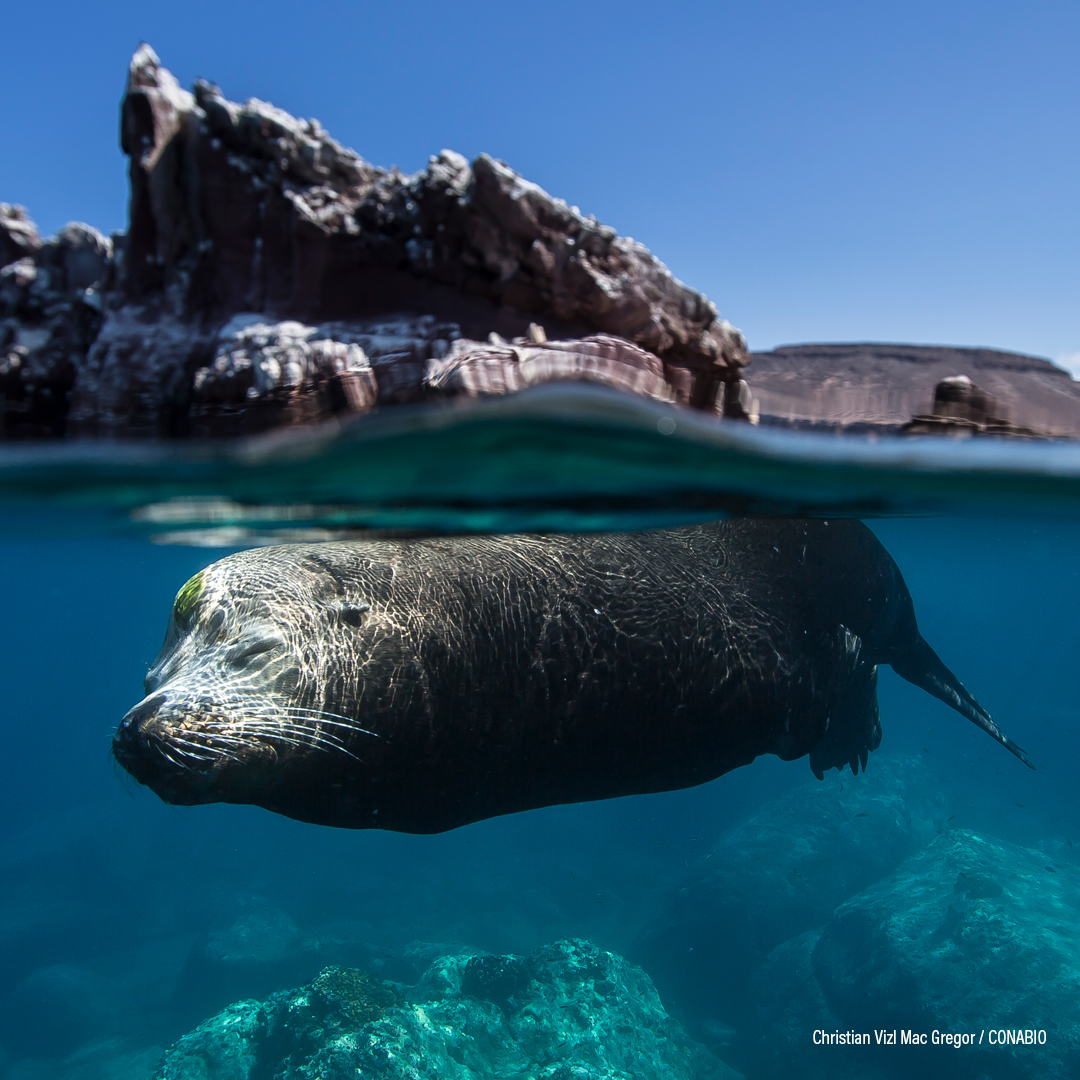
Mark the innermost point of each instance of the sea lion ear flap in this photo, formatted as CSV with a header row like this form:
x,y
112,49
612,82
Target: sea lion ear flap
x,y
923,667
350,614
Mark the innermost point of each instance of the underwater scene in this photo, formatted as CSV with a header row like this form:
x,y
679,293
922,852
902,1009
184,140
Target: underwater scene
x,y
763,923
437,644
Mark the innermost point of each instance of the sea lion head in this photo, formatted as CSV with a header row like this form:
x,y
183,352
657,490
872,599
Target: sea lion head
x,y
236,709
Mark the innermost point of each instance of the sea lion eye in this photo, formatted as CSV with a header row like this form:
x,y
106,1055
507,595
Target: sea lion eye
x,y
241,653
187,599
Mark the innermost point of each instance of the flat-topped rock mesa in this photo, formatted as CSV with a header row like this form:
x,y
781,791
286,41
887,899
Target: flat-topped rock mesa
x,y
269,275
916,389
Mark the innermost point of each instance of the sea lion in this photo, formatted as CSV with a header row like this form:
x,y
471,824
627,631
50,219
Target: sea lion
x,y
421,685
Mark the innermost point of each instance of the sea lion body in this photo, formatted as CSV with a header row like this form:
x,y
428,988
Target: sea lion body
x,y
421,685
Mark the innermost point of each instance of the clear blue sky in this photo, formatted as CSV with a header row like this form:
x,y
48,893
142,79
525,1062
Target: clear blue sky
x,y
823,171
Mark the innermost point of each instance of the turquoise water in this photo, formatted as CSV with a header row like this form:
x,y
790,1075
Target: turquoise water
x,y
115,907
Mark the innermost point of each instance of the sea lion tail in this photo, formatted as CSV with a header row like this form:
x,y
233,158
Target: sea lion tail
x,y
923,667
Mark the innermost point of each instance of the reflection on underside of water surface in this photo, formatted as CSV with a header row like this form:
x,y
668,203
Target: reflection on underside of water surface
x,y
565,458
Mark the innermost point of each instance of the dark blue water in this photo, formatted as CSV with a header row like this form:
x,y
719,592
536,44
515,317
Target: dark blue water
x,y
111,900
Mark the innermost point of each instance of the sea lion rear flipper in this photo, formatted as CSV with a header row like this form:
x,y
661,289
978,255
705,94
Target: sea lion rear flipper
x,y
923,667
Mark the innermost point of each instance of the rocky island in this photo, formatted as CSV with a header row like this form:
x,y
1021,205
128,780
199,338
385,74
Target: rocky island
x,y
269,276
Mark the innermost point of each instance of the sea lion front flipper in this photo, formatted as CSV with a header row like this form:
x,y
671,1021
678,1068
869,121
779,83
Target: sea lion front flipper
x,y
923,667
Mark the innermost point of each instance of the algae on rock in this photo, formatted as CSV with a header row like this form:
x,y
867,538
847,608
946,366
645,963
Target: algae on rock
x,y
569,1011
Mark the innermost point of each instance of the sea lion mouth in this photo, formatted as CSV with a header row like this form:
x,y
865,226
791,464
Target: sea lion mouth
x,y
166,752
192,752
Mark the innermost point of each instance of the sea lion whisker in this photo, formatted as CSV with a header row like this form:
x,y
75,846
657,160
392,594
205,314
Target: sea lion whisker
x,y
272,736
201,737
178,763
277,731
221,739
306,738
284,720
221,744
310,743
276,714
303,728
164,751
314,741
342,722
245,743
319,712
330,725
271,722
190,751
248,732
304,710
294,736
196,750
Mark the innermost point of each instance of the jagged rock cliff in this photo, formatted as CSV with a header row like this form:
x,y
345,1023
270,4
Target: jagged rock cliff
x,y
269,275
51,312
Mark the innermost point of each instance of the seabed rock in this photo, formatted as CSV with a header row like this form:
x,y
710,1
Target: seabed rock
x,y
860,911
569,1011
969,935
781,873
104,1059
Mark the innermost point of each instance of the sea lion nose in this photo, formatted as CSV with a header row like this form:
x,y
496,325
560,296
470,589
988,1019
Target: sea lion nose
x,y
143,711
128,744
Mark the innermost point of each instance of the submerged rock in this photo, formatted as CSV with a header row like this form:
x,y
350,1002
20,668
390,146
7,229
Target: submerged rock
x,y
779,874
55,1009
569,1011
262,950
789,1006
98,1059
970,934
